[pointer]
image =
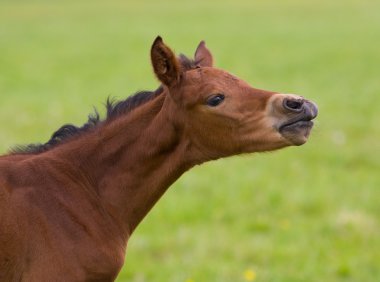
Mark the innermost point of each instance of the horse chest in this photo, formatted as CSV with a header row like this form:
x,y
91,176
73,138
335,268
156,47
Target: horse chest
x,y
80,262
101,263
91,257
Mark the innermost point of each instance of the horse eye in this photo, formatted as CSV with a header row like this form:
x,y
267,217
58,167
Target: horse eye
x,y
215,100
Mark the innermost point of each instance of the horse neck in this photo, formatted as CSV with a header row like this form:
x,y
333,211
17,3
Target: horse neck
x,y
132,160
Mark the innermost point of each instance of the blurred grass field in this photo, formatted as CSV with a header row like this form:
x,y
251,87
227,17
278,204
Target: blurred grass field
x,y
309,213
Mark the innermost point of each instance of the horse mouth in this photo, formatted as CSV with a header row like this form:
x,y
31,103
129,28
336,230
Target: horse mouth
x,y
297,131
301,123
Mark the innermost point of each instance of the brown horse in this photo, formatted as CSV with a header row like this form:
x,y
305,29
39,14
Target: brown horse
x,y
69,206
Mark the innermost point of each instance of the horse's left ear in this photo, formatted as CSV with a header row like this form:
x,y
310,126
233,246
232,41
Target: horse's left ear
x,y
165,64
203,56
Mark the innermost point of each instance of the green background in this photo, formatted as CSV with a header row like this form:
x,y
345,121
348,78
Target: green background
x,y
309,213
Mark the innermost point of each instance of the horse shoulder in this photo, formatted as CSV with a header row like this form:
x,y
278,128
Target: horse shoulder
x,y
48,229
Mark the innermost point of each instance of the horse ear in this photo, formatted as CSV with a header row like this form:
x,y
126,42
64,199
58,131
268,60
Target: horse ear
x,y
165,64
203,56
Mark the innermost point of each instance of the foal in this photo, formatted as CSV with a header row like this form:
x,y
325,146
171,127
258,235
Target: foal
x,y
69,206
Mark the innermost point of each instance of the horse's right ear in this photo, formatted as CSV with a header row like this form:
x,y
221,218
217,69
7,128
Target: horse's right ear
x,y
203,56
165,64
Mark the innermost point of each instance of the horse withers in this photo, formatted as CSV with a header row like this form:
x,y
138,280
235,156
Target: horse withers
x,y
69,206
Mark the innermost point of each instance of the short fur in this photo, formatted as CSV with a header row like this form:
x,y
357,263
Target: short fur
x,y
68,209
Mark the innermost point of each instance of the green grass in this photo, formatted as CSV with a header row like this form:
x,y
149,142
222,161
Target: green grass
x,y
310,213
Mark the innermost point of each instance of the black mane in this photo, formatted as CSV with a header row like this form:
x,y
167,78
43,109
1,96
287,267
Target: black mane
x,y
114,110
67,131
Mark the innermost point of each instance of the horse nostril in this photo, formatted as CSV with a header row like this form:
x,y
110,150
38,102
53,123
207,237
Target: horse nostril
x,y
293,105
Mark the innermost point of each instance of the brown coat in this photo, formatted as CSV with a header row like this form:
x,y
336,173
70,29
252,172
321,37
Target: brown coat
x,y
68,207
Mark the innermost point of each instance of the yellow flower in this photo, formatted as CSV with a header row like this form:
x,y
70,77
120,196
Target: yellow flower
x,y
249,275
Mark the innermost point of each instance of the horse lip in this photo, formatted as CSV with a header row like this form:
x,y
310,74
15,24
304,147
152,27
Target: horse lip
x,y
296,120
309,113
